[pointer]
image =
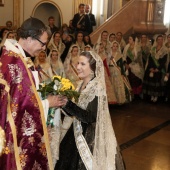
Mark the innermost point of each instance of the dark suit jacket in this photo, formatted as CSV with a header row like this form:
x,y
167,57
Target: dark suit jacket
x,y
85,23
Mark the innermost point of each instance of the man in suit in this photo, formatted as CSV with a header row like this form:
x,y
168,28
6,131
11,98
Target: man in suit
x,y
81,21
91,16
51,24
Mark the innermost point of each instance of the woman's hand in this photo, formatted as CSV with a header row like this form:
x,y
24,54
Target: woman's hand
x,y
57,100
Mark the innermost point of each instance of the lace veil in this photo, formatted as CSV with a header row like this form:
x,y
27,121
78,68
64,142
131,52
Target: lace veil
x,y
52,45
58,68
69,56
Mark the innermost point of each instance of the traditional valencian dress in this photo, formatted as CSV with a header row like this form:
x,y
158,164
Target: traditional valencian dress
x,y
60,46
70,67
119,79
154,84
44,69
56,67
111,96
22,115
90,141
145,49
133,58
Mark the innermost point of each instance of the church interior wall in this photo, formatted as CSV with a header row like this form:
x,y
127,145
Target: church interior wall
x,y
27,8
6,12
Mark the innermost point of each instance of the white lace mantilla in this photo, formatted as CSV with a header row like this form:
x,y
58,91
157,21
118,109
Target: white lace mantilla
x,y
85,96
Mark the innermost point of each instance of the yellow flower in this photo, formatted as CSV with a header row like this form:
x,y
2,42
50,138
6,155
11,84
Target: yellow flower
x,y
67,84
6,150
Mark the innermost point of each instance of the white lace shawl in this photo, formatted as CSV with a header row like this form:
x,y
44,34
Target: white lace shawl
x,y
52,45
136,65
58,68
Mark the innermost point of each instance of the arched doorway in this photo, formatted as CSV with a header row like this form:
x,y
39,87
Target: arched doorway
x,y
44,10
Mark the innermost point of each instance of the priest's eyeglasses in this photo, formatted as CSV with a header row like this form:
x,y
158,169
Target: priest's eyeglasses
x,y
42,43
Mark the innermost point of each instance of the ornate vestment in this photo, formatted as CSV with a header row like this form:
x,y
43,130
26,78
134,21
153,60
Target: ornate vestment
x,y
22,115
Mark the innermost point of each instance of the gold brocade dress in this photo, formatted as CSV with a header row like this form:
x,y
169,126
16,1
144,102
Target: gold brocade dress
x,y
109,88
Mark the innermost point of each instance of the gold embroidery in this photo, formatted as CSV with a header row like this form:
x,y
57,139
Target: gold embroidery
x,y
36,166
42,149
12,54
9,148
6,150
33,98
29,62
31,140
23,157
14,108
20,88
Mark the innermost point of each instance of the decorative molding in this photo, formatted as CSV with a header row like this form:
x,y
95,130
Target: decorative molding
x,y
51,2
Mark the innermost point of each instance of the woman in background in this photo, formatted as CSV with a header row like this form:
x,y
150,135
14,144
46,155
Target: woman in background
x,y
55,63
99,48
43,66
70,64
119,79
79,41
154,79
56,42
134,65
103,38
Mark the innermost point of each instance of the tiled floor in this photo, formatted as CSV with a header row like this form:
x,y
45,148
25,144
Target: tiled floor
x,y
150,151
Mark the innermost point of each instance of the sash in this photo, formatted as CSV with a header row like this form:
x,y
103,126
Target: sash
x,y
82,146
53,70
129,52
156,62
80,19
42,71
125,80
75,71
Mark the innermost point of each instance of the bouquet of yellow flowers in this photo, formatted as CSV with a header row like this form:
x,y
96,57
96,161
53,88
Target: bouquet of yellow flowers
x,y
58,86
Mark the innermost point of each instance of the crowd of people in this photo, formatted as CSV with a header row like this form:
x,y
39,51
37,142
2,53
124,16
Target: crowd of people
x,y
109,71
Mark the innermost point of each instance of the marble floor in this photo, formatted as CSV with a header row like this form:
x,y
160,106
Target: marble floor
x,y
142,130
